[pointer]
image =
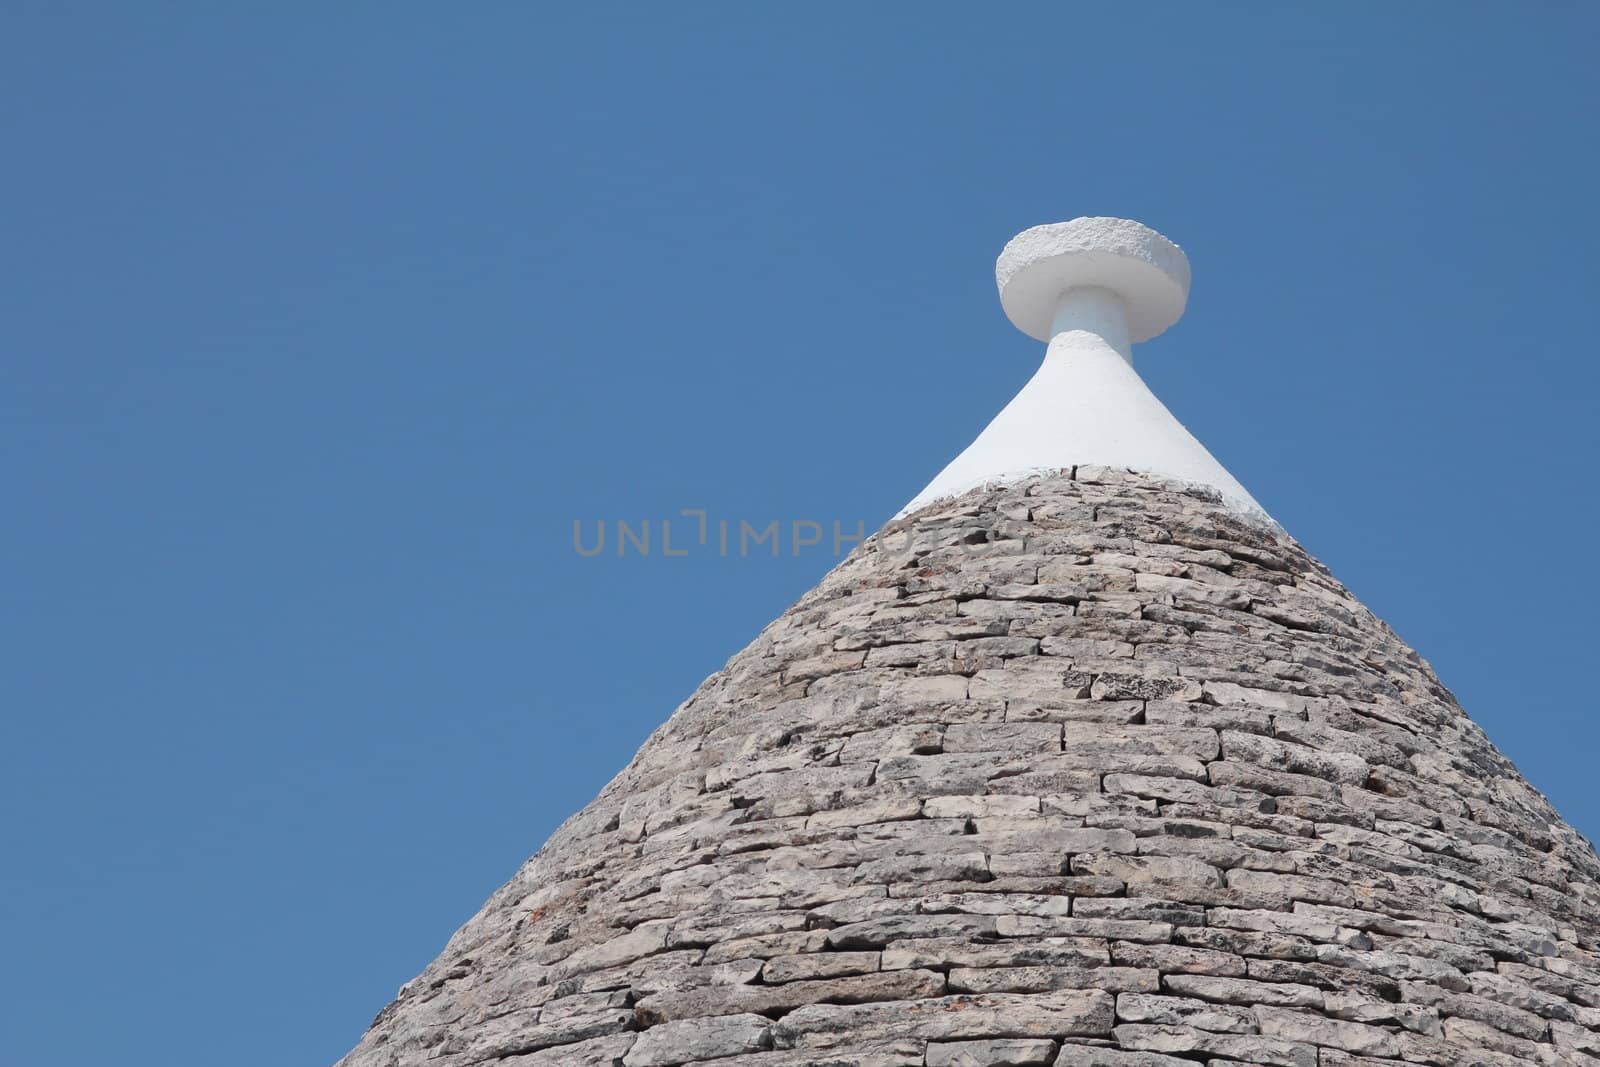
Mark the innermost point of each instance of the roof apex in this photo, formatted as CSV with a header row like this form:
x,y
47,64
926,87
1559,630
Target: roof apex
x,y
1091,288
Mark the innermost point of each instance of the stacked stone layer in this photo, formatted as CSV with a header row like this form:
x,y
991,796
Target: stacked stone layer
x,y
1083,771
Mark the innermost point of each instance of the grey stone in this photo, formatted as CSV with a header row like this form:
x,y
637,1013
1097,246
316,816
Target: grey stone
x,y
819,965
1090,1056
599,1052
714,1000
1358,1038
1244,991
994,1053
1039,979
1250,1048
1094,774
673,1043
1053,1014
1183,1011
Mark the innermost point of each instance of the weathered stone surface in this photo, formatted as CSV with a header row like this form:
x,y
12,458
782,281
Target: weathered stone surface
x,y
819,965
1068,953
1091,1056
699,1039
1054,1014
891,1054
1241,991
1250,1048
1040,979
995,1053
1082,771
1183,1011
1316,1029
599,1052
729,999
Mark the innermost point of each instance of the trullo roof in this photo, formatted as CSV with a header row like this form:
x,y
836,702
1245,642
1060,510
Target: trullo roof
x,y
1073,764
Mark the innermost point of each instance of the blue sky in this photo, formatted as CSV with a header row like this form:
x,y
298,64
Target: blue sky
x,y
322,324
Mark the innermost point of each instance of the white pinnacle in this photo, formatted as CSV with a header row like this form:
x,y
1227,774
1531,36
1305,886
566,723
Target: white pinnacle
x,y
1092,288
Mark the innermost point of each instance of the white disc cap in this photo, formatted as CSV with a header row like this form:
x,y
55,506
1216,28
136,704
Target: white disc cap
x,y
1037,266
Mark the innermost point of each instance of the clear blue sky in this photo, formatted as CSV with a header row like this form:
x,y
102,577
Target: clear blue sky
x,y
322,323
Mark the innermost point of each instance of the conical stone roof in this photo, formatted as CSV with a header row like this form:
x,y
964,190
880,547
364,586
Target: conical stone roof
x,y
1090,768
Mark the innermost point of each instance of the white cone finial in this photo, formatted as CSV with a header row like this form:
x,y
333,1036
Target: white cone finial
x,y
1092,288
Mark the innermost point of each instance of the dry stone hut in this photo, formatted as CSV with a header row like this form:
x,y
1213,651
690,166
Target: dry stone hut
x,y
1081,761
